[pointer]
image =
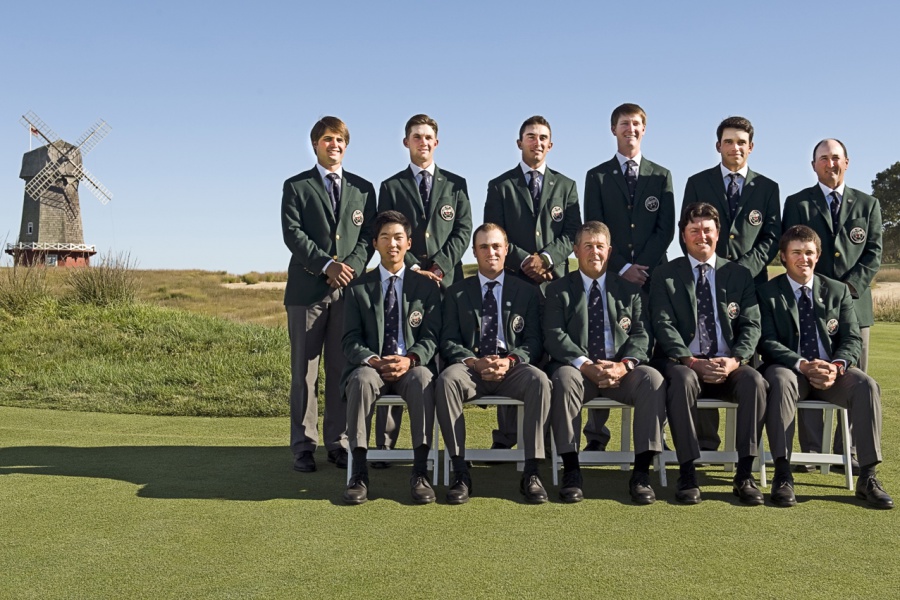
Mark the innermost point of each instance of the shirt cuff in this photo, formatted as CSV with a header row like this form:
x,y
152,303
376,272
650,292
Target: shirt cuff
x,y
328,264
549,259
580,361
415,268
625,268
368,358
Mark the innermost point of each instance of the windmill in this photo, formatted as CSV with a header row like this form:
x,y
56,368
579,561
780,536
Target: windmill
x,y
51,231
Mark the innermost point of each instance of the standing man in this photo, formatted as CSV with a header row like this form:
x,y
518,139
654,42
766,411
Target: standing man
x,y
393,322
436,203
810,342
848,223
750,213
326,216
634,198
538,209
490,339
706,322
594,331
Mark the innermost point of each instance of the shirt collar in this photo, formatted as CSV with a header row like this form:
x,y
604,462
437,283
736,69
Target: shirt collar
x,y
484,280
526,169
742,171
623,159
416,169
694,262
587,281
385,274
323,172
827,190
796,286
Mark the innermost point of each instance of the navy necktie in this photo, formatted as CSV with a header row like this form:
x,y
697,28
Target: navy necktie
x,y
391,320
835,211
734,195
596,330
809,343
334,193
490,321
631,177
534,186
425,192
706,315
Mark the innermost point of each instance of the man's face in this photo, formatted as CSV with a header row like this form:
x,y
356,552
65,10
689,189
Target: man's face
x,y
535,144
735,148
421,142
392,244
700,237
830,164
800,260
330,149
629,131
592,252
490,252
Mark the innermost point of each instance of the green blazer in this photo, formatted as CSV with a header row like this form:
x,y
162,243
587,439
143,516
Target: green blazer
x,y
461,331
781,321
442,236
751,240
852,254
314,236
673,308
641,232
551,230
566,320
364,318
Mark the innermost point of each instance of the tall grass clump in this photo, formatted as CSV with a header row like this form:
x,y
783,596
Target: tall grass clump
x,y
887,309
111,282
23,288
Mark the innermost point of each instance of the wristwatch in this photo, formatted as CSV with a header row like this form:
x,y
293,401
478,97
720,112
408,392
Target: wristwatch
x,y
629,364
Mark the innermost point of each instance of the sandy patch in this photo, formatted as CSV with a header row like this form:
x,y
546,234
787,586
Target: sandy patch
x,y
262,285
886,290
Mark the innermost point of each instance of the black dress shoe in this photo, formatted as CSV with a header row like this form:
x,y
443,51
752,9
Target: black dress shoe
x,y
571,490
687,491
304,462
460,488
533,490
639,488
870,490
380,464
783,492
804,468
747,492
357,490
338,457
500,446
854,465
594,446
421,490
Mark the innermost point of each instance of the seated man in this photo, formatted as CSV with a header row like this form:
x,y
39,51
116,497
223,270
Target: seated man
x,y
491,332
705,318
594,333
392,323
810,344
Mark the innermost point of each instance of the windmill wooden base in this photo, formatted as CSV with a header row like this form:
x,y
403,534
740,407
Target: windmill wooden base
x,y
51,255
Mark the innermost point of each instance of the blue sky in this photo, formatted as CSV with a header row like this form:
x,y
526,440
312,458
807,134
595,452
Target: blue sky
x,y
211,103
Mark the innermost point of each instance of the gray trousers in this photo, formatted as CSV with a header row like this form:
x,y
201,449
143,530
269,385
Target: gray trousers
x,y
855,391
309,329
810,423
459,384
745,386
643,388
365,386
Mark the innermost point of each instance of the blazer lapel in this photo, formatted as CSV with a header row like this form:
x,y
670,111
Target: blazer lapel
x,y
687,282
643,177
409,289
508,295
790,305
316,184
437,186
746,193
718,198
821,203
522,186
412,189
612,313
348,195
579,325
473,291
818,300
619,178
846,203
373,289
722,291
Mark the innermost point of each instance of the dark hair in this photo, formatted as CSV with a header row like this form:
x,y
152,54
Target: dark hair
x,y
592,228
698,210
535,120
488,227
739,123
389,217
799,233
326,124
421,120
843,147
627,109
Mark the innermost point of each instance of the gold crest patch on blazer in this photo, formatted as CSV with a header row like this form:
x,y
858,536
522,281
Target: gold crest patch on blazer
x,y
652,203
556,213
857,235
415,318
831,326
733,310
518,324
447,212
755,218
625,324
357,218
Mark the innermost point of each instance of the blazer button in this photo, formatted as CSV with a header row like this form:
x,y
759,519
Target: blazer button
x,y
427,234
537,233
630,246
632,225
728,257
337,236
731,236
837,254
334,257
629,207
475,349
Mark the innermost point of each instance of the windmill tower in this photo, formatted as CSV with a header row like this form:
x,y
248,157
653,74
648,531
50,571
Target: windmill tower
x,y
51,231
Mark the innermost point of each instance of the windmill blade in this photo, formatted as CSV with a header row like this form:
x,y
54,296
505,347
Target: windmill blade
x,y
34,122
43,180
92,136
97,188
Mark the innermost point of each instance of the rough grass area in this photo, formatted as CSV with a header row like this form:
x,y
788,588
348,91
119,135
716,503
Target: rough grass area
x,y
142,359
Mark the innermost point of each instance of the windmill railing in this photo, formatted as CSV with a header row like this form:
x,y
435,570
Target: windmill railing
x,y
50,247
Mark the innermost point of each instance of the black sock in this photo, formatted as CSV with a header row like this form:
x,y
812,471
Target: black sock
x,y
531,467
745,467
360,466
687,469
570,461
420,460
459,464
783,468
642,461
866,471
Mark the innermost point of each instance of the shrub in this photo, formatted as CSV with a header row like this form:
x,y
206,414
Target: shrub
x,y
887,309
23,288
112,281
